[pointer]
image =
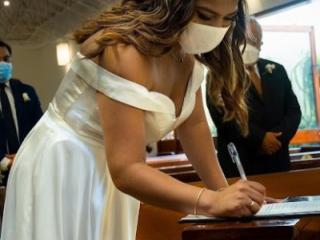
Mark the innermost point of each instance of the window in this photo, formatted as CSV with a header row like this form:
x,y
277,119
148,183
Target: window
x,y
290,38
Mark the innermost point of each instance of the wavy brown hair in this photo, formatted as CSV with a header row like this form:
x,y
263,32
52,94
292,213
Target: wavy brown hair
x,y
154,27
227,82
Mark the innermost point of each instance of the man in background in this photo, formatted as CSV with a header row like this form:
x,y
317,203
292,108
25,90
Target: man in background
x,y
19,111
274,115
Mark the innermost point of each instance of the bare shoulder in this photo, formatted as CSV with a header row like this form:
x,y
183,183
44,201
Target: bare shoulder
x,y
127,62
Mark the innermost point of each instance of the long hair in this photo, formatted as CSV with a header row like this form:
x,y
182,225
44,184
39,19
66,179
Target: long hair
x,y
154,27
227,82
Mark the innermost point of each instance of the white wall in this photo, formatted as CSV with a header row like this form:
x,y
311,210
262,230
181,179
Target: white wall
x,y
256,6
39,68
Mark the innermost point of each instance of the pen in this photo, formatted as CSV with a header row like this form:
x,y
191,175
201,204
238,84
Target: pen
x,y
236,159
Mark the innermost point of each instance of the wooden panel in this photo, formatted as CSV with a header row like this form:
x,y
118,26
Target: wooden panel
x,y
280,185
177,168
303,164
304,155
186,173
307,228
306,136
281,230
309,147
167,160
159,224
180,168
166,147
311,136
169,146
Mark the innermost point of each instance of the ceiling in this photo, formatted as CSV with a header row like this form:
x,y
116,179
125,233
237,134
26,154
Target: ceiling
x,y
36,22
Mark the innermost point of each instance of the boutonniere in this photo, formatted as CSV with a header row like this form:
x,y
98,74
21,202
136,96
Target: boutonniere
x,y
26,97
270,67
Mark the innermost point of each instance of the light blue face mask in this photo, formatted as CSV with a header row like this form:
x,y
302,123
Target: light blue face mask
x,y
5,71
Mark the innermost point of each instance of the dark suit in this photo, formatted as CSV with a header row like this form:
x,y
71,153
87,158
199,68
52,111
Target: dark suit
x,y
28,112
277,110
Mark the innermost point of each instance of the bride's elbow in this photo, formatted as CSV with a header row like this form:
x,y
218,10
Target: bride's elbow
x,y
122,184
123,179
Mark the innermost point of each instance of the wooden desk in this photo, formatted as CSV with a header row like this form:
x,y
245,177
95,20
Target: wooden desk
x,y
278,185
307,228
159,224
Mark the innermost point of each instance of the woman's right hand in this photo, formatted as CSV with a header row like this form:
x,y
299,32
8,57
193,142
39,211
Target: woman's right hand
x,y
243,198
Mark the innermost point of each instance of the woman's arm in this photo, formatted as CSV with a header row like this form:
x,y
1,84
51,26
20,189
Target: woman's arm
x,y
124,136
125,148
196,140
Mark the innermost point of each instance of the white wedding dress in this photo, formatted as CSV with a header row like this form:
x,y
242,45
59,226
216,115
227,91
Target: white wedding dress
x,y
60,186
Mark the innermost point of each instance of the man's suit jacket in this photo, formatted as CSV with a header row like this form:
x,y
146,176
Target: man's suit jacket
x,y
277,110
28,112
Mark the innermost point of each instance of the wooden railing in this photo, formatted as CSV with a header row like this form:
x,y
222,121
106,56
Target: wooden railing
x,y
302,138
179,167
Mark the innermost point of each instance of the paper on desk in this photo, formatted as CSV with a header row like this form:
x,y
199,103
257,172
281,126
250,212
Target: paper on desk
x,y
289,208
283,209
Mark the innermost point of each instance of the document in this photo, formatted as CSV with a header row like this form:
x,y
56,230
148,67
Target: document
x,y
290,207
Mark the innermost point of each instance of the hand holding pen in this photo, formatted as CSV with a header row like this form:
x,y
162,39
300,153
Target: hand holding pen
x,y
251,191
236,159
243,198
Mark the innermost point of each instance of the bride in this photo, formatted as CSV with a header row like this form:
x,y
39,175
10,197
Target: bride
x,y
81,172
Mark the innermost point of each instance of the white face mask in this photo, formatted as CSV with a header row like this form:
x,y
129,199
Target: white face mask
x,y
250,55
200,38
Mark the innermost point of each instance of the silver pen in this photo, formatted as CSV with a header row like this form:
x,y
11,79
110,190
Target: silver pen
x,y
236,159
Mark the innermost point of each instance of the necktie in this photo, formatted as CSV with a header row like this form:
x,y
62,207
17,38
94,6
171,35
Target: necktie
x,y
10,129
255,79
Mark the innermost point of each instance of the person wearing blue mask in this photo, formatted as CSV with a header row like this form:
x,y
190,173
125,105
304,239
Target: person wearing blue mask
x,y
19,111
